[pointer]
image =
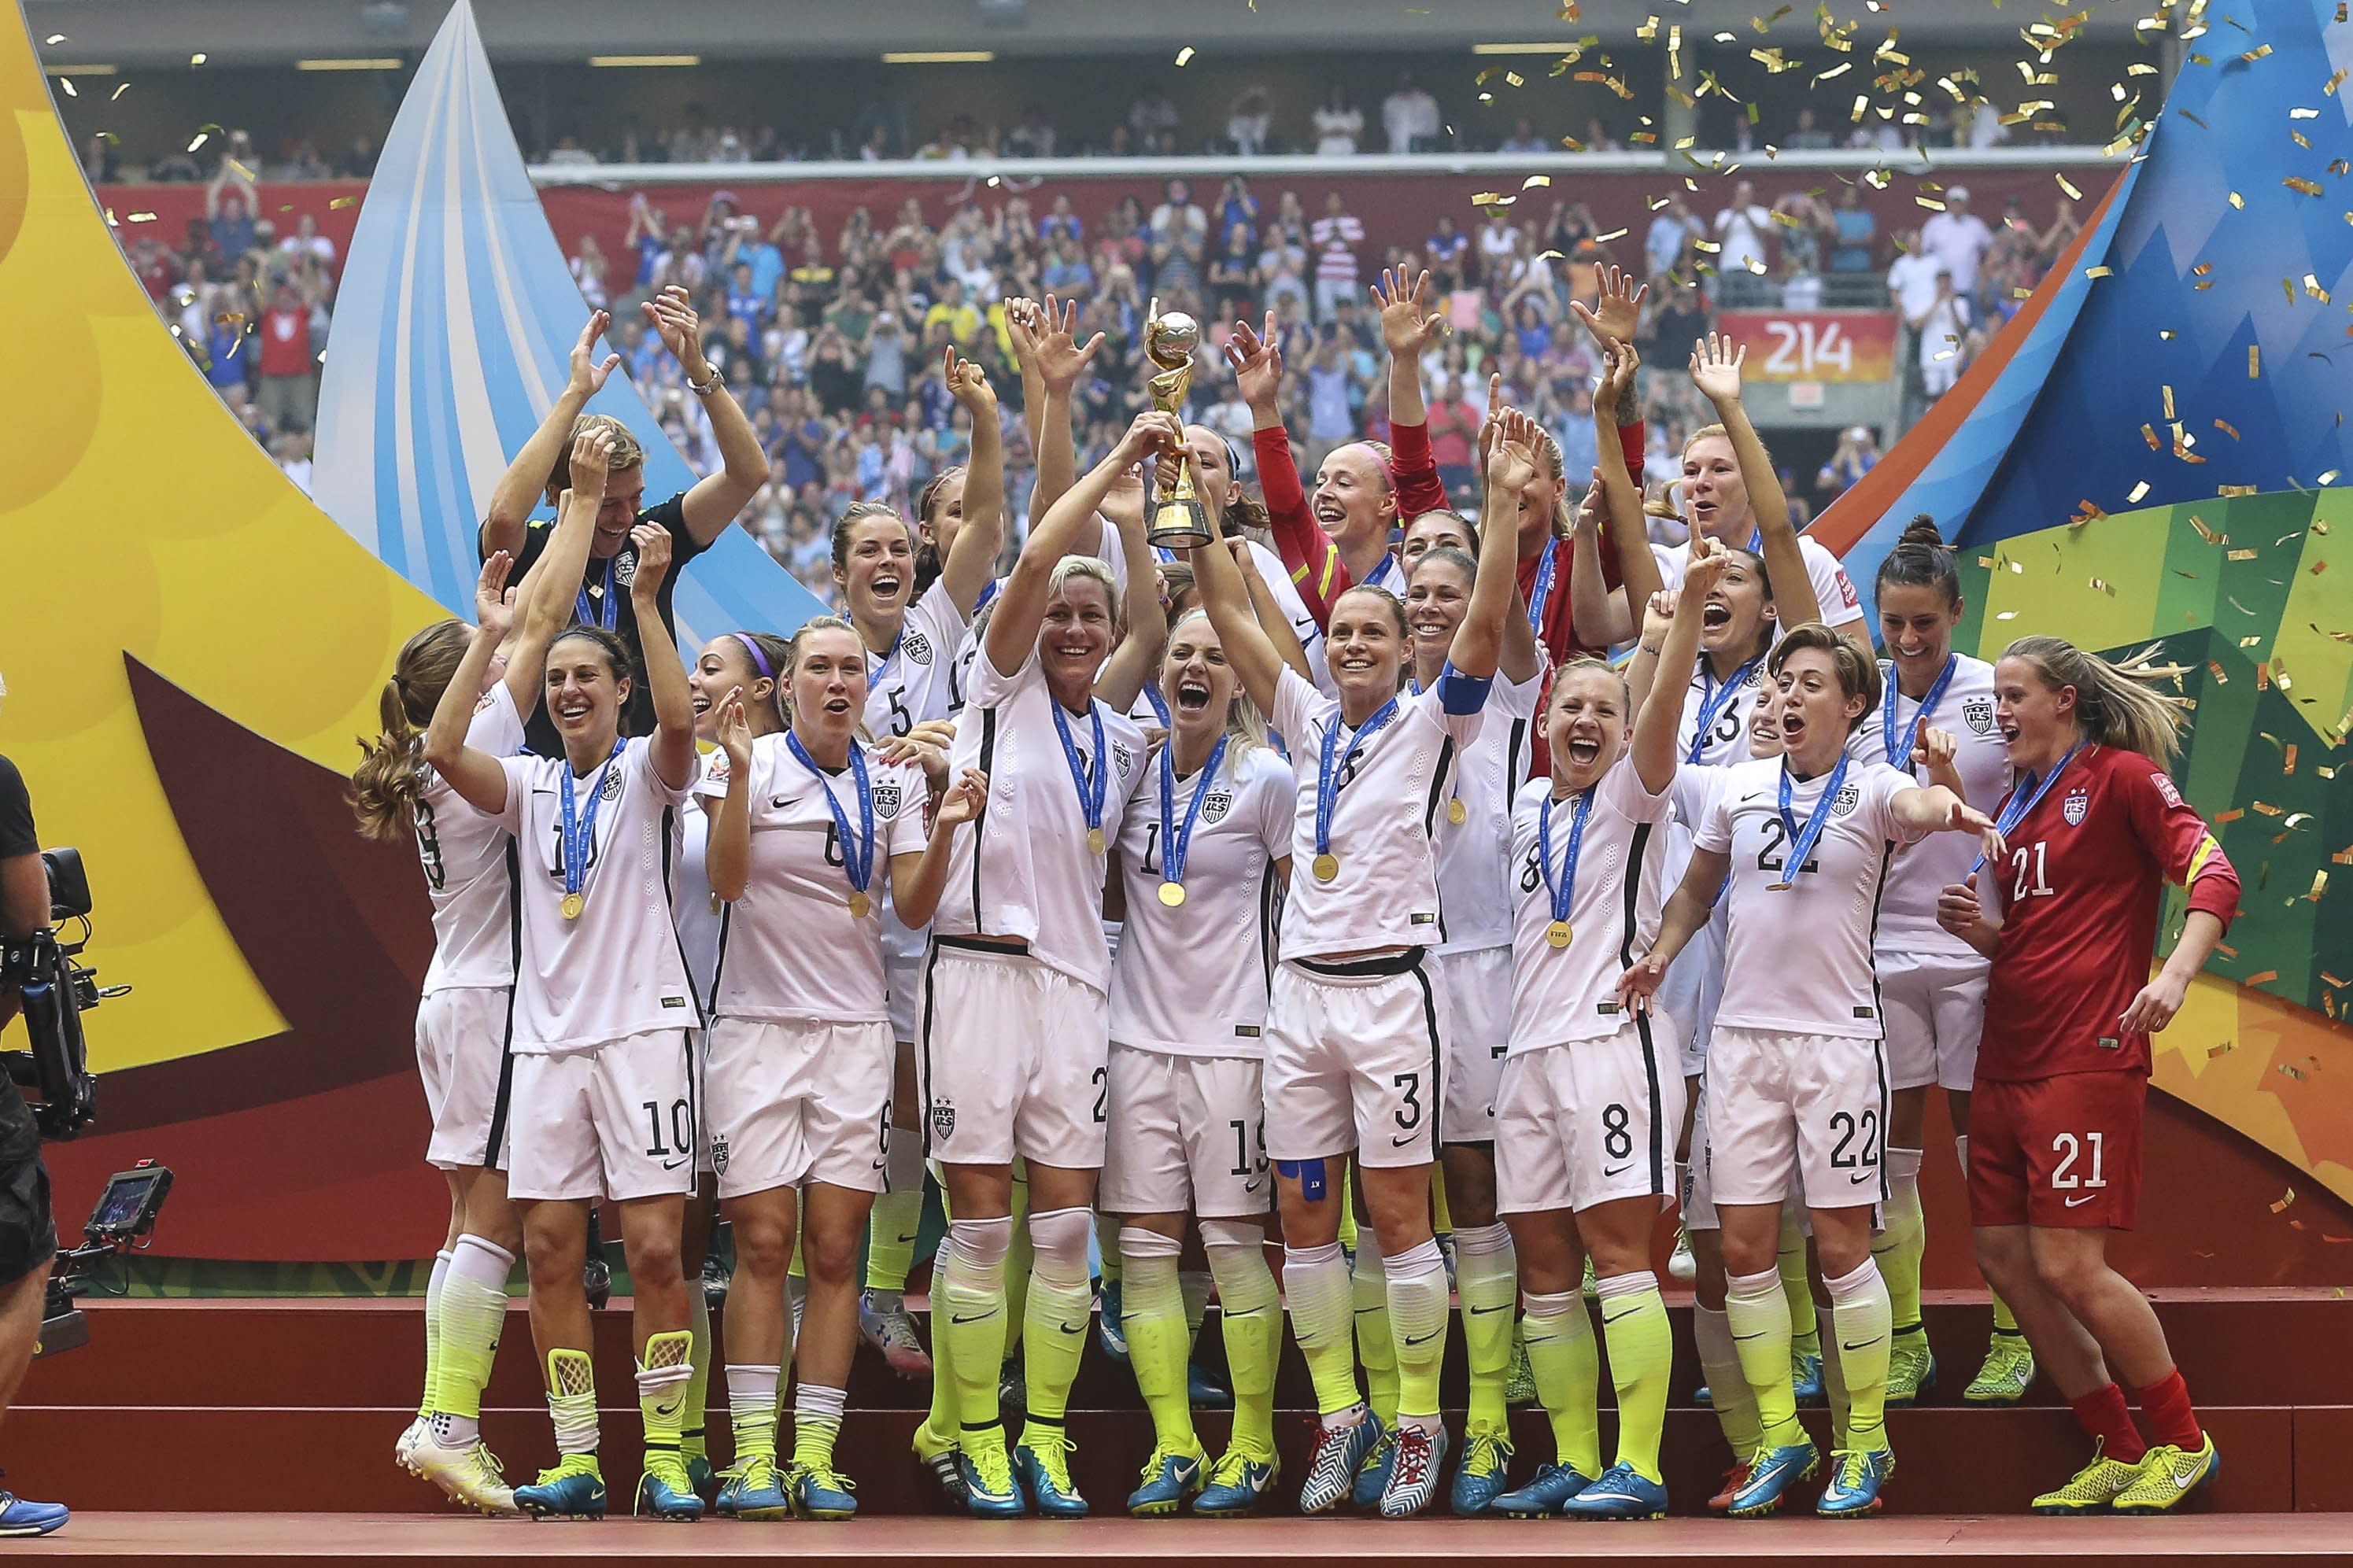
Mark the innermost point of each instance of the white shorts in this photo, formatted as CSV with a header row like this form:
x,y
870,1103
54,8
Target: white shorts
x,y
1933,1009
618,1119
1588,1122
1354,1060
1699,1178
904,978
1796,1112
462,1039
1691,993
1478,987
1189,1134
1013,1056
795,1102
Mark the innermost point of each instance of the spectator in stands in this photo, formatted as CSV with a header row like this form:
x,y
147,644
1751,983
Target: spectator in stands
x,y
1453,422
1523,138
1956,238
1944,337
1032,136
1248,123
306,240
1446,244
289,387
1668,240
1233,274
1677,319
358,162
1740,229
1855,231
1178,214
1339,125
1151,114
1598,138
1238,205
1912,285
1856,454
1335,236
1498,242
1410,116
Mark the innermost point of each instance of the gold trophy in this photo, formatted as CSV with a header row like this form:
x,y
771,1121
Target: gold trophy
x,y
1177,519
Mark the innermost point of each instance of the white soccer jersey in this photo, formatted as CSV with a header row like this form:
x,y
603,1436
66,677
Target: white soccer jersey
x,y
1798,961
909,684
695,909
789,949
616,970
1389,807
1834,589
1024,869
1192,980
1715,713
1907,916
1474,868
469,866
1564,994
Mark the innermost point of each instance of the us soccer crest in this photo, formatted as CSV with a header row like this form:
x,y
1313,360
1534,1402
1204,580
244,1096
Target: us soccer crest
x,y
1978,713
1122,756
2077,804
943,1121
1843,803
624,569
1215,806
719,1154
612,790
886,800
917,647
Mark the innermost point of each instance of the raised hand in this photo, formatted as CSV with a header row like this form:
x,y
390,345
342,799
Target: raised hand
x,y
1151,432
1936,748
588,373
652,541
968,385
963,802
1258,364
1592,508
1706,566
671,315
1407,322
1619,360
1060,357
731,728
1660,614
592,461
1511,453
1619,305
493,610
1715,364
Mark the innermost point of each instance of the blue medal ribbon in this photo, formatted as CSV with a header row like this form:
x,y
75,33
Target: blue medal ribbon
x,y
1902,759
1160,706
580,827
1713,699
1563,888
2023,800
1175,845
875,677
986,594
1327,774
1091,790
1801,840
1541,596
602,614
857,853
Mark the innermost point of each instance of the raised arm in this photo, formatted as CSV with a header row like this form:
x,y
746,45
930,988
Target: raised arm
x,y
1121,679
715,500
1593,618
673,737
1478,641
1226,599
1642,669
971,559
727,862
1715,369
1630,534
1656,724
525,480
1409,326
1307,551
1272,619
477,777
544,604
1059,361
1021,608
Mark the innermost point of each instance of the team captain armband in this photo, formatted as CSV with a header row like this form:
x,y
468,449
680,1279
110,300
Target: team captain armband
x,y
1462,694
2212,881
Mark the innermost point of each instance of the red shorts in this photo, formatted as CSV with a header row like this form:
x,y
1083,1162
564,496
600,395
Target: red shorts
x,y
2057,1151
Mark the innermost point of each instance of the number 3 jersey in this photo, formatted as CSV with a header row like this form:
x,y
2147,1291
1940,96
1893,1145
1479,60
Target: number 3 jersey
x,y
2078,900
1798,960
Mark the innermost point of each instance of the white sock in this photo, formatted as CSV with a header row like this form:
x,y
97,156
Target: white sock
x,y
751,1408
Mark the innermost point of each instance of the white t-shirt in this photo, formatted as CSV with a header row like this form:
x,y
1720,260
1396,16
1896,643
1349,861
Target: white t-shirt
x,y
1388,806
616,971
1474,874
1560,995
1913,279
469,868
1957,242
1024,869
909,684
1799,961
1741,232
789,949
1192,981
1907,914
1834,589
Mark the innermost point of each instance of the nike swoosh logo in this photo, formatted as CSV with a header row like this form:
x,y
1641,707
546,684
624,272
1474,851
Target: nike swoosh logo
x,y
674,1164
1864,1345
1401,1142
1607,1320
1743,1338
907,1239
1618,1170
1858,1180
2182,1478
1423,1339
1068,1329
2087,1197
1482,1312
976,1318
1245,1312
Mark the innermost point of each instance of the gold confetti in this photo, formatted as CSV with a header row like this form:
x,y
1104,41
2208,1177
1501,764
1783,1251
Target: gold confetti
x,y
2168,392
196,60
2298,182
2148,434
2241,556
341,202
2288,764
2238,200
2104,588
142,217
67,82
2007,616
2138,490
1185,56
2256,53
2255,366
2226,428
2230,816
2202,270
1534,182
2289,1197
2066,186
2099,272
1614,234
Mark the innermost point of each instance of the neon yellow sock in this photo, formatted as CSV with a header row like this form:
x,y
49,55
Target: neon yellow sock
x,y
1900,1244
972,1286
1376,1349
1110,1262
1805,1333
1860,1317
1348,1203
662,1377
1641,1360
1249,1316
1153,1310
1416,1292
2004,1320
890,1232
1567,1365
1757,1309
431,1401
1487,1277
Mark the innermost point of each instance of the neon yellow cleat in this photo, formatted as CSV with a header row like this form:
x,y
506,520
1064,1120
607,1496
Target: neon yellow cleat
x,y
2167,1476
2091,1489
2009,1369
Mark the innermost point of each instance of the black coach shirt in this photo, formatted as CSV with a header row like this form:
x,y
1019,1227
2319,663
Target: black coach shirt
x,y
638,717
16,835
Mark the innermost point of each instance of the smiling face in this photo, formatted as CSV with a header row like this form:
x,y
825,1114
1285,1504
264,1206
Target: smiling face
x,y
1815,713
829,686
2036,719
1195,676
1353,499
1587,725
1436,599
1916,621
724,665
1433,530
1075,636
1715,491
584,695
625,492
1733,619
876,571
1365,648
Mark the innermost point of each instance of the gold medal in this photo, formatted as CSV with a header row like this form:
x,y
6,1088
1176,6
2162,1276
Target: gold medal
x,y
859,905
717,903
1095,840
1172,893
1556,933
1456,812
573,904
1779,887
1326,868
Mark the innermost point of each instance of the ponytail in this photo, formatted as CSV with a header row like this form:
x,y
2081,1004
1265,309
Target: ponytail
x,y
389,781
1922,559
2114,706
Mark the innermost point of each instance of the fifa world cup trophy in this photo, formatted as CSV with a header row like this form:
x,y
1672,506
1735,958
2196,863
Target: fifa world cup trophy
x,y
1178,520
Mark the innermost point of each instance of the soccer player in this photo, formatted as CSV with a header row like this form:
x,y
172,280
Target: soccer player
x,y
2094,828
809,825
1355,1038
1203,855
1015,1032
1796,1075
1931,986
464,1019
603,1094
1591,1105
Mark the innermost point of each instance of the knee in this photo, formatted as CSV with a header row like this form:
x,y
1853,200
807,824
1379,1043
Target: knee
x,y
828,1254
553,1257
2001,1261
764,1249
1058,1244
655,1260
2068,1275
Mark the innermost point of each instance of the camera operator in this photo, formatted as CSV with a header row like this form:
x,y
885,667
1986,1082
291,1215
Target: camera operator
x,y
29,1240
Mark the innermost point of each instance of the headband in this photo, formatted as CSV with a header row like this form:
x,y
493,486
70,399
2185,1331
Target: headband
x,y
758,658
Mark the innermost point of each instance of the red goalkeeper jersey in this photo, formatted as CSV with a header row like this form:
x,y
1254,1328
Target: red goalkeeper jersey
x,y
2080,893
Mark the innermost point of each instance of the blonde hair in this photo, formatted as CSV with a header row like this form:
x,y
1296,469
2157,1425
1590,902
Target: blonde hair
x,y
1585,662
1858,672
2114,706
627,453
390,780
792,663
1245,725
1071,566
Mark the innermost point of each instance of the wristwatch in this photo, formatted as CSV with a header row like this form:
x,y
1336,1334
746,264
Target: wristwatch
x,y
705,388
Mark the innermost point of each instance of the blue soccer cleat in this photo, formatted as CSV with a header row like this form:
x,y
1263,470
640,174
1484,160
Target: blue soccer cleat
x,y
1806,1377
665,1492
1542,1497
1703,1397
1770,1475
1856,1477
22,1516
1621,1492
1237,1482
1202,1391
990,1487
1333,1469
1485,1473
753,1490
573,1488
822,1493
1111,1326
1169,1478
1042,1460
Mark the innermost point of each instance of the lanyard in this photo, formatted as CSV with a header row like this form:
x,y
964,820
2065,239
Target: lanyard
x,y
1902,759
1542,595
1801,840
986,594
1713,699
857,853
1381,573
1176,845
881,671
2022,801
1327,774
1564,890
1091,790
602,612
1160,706
580,831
